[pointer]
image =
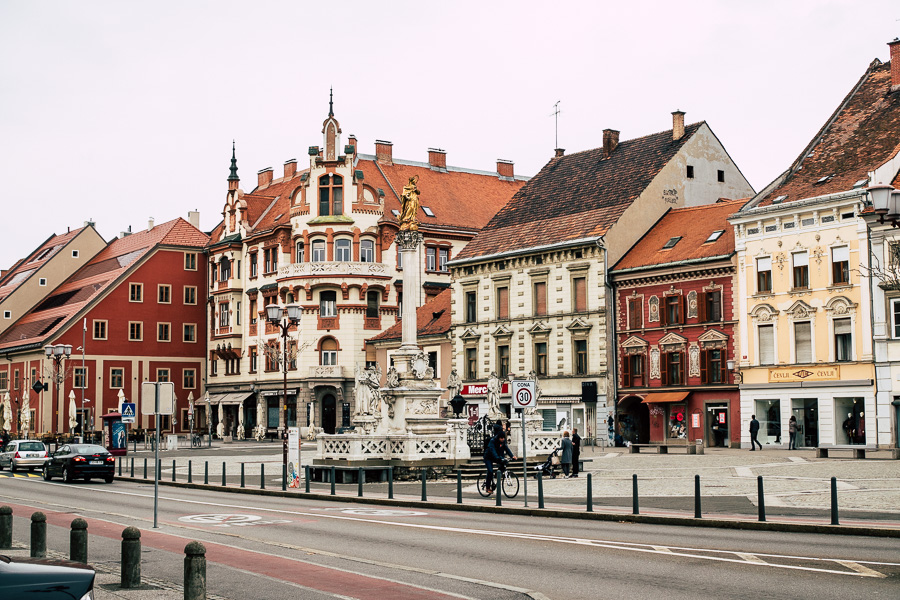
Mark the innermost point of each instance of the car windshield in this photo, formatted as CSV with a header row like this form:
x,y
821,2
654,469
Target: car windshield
x,y
87,449
31,446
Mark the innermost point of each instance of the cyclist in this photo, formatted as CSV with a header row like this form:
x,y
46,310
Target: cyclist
x,y
493,453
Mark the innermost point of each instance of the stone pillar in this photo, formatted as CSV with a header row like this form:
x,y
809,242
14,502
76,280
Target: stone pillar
x,y
409,243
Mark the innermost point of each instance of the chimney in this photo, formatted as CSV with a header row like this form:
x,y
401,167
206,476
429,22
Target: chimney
x,y
290,167
559,152
895,64
505,168
610,141
437,159
351,141
150,224
383,152
194,218
677,125
264,177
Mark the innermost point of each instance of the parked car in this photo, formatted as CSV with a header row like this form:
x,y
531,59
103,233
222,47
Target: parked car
x,y
23,578
23,454
80,461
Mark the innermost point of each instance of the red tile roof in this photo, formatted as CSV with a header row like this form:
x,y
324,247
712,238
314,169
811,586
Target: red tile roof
x,y
577,196
861,135
432,318
694,225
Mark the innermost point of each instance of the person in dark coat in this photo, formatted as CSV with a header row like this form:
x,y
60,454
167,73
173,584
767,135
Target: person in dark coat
x,y
565,457
754,431
493,454
576,451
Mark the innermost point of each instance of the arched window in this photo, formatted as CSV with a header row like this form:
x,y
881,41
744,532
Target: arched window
x,y
367,251
331,195
300,255
328,304
342,250
328,352
318,251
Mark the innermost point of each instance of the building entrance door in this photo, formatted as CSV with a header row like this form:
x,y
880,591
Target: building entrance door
x,y
718,425
329,413
634,420
806,411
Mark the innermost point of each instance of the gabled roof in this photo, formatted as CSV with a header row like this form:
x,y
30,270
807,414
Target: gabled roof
x,y
860,136
693,225
24,268
577,196
432,318
96,277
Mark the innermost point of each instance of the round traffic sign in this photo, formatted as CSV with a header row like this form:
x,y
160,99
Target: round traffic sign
x,y
523,397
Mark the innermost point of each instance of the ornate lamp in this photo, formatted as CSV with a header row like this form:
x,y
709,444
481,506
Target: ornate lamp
x,y
458,402
881,198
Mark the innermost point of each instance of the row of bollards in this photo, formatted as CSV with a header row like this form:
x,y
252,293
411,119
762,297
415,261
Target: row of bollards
x,y
130,571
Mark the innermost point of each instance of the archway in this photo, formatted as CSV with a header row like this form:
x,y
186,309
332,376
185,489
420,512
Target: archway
x,y
634,420
329,413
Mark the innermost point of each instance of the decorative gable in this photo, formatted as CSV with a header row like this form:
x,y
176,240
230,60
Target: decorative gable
x,y
672,339
713,339
800,310
539,328
502,332
470,335
579,325
635,345
839,306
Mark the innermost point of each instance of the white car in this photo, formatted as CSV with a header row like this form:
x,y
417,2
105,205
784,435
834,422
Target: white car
x,y
23,454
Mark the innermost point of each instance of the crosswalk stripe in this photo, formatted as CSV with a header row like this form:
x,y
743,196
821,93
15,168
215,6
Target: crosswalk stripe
x,y
860,569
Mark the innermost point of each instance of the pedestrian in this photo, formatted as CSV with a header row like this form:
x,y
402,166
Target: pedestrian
x,y
792,430
576,451
565,457
754,431
4,438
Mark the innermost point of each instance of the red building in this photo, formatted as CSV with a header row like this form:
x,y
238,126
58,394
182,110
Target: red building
x,y
135,312
675,331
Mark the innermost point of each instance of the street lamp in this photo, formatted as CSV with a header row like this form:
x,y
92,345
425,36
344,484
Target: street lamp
x,y
885,202
283,318
208,422
58,353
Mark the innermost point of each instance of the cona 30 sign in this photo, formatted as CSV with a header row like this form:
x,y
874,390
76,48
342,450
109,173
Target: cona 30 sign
x,y
523,394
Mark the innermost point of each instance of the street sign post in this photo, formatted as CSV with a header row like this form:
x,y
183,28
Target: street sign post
x,y
524,395
128,412
157,398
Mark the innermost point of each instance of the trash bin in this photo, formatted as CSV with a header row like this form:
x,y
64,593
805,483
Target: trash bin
x,y
699,446
171,442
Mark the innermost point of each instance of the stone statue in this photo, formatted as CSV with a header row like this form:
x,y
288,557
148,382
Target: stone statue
x,y
260,432
409,213
393,377
532,375
493,396
220,428
240,430
25,418
374,383
368,382
454,384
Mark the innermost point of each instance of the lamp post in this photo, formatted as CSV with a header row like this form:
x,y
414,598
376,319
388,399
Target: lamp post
x,y
58,353
283,318
208,422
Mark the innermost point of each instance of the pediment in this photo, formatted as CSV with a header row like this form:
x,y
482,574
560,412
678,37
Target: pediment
x,y
539,328
635,342
671,339
470,334
800,310
712,336
840,305
579,324
502,331
763,313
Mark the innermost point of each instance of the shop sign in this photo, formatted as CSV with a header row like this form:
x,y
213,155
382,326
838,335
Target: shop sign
x,y
481,389
826,373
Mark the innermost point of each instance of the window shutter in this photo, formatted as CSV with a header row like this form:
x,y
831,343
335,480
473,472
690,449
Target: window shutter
x,y
626,371
722,365
841,326
645,370
663,309
682,309
766,345
704,366
664,368
701,307
803,342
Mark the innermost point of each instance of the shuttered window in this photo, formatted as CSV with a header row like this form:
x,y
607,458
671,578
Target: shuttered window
x,y
635,313
540,298
803,342
766,344
842,340
579,285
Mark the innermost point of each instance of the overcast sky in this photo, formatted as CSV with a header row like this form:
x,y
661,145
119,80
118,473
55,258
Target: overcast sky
x,y
120,111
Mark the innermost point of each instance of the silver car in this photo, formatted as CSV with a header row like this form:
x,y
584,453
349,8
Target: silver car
x,y
23,454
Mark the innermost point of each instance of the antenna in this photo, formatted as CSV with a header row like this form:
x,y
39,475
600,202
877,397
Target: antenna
x,y
555,115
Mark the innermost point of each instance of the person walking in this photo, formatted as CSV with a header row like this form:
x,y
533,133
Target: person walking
x,y
565,457
754,431
792,431
576,451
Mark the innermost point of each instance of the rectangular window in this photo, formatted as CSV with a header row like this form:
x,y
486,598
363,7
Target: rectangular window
x,y
540,358
800,261
764,275
895,316
843,351
713,366
430,258
671,368
690,171
225,314
367,251
766,337
254,356
540,298
4,381
713,306
189,379
471,307
840,266
433,363
328,304
253,312
672,310
100,330
136,292
635,313
163,332
135,331
372,300
162,375
237,313
581,357
318,251
803,342
190,332
254,264
164,293
502,361
503,303
214,367
443,257
190,294
343,250
300,252
116,378
190,261
267,260
79,377
634,370
579,289
471,363
720,175
16,379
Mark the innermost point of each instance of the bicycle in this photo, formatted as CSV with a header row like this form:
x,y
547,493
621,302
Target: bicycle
x,y
509,481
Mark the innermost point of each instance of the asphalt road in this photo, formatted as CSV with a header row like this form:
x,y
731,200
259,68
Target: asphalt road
x,y
273,548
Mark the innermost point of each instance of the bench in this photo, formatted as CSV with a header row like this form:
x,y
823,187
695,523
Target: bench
x,y
342,474
663,448
855,451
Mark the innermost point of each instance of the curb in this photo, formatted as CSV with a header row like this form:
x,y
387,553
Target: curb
x,y
880,532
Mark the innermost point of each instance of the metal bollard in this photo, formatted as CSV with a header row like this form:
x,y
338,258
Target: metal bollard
x,y
120,467
697,511
590,494
131,558
158,473
834,504
332,481
497,490
242,474
635,509
424,491
38,535
391,483
205,472
145,468
173,470
195,571
223,473
262,476
283,477
540,490
5,527
190,473
459,486
762,499
306,472
78,541
132,467
361,478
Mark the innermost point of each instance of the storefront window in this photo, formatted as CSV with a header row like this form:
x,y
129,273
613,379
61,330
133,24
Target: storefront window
x,y
850,420
768,413
677,422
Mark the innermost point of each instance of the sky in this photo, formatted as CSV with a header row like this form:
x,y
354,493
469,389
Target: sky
x,y
119,112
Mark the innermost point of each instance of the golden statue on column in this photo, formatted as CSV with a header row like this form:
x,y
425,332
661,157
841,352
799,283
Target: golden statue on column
x,y
409,212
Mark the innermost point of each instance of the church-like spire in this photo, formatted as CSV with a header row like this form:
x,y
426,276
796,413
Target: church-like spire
x,y
233,176
331,102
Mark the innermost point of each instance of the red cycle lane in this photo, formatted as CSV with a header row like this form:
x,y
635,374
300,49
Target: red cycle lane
x,y
316,577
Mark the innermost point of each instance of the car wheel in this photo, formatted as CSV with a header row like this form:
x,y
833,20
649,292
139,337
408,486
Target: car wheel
x,y
67,475
12,467
47,476
108,479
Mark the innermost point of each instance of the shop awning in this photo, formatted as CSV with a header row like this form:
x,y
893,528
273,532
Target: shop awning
x,y
229,398
658,397
290,392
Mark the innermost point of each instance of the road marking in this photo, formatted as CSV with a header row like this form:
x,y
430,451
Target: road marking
x,y
229,520
751,558
11,474
662,549
375,512
860,569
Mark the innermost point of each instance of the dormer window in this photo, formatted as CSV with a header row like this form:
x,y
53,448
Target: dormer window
x,y
714,236
671,243
331,195
428,212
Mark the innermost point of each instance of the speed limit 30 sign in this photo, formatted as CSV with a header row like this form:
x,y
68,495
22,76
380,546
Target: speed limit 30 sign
x,y
523,394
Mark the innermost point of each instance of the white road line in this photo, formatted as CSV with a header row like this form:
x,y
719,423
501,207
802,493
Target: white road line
x,y
662,549
860,569
751,558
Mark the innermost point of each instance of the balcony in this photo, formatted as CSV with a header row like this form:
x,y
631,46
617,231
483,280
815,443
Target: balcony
x,y
326,372
330,322
359,269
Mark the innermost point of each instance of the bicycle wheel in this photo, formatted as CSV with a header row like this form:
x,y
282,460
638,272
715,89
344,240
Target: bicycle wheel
x,y
482,489
510,485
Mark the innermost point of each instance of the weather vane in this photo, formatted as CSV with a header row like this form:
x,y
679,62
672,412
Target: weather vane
x,y
555,115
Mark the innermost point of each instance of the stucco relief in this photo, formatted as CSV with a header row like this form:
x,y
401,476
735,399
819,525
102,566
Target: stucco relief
x,y
654,309
692,304
694,360
763,313
654,363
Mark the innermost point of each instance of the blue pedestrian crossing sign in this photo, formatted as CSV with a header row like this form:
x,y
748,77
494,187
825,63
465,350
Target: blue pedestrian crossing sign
x,y
128,412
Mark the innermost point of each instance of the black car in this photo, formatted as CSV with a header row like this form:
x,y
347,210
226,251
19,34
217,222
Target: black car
x,y
80,461
22,578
